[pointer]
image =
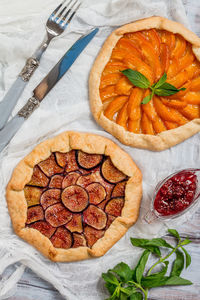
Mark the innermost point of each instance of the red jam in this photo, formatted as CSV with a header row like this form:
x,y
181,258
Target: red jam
x,y
176,194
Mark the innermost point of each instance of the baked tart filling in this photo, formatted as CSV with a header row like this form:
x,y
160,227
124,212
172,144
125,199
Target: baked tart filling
x,y
154,48
73,197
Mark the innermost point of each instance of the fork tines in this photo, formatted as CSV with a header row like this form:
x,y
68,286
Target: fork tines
x,y
63,14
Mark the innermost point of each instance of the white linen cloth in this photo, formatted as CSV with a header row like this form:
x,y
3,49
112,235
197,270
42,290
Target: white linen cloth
x,y
67,108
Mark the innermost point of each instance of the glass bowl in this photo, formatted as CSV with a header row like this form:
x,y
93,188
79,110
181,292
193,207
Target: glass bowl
x,y
153,215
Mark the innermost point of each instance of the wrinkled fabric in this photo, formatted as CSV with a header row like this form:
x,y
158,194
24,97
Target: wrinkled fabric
x,y
66,107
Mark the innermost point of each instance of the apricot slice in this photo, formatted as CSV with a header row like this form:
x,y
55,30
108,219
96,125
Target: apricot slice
x,y
146,125
97,193
38,178
174,103
170,125
50,197
114,67
34,213
110,173
92,235
78,240
56,181
192,98
119,189
62,238
32,195
88,161
44,227
109,79
134,125
114,206
173,68
75,198
107,92
168,113
115,106
186,60
169,39
154,38
95,217
75,225
179,47
70,179
193,70
195,85
57,215
134,104
49,166
190,111
179,79
129,46
164,57
123,86
122,116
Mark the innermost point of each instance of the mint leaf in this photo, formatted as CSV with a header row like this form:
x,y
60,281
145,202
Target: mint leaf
x,y
166,280
160,274
167,89
187,257
143,243
137,78
178,264
139,269
109,277
110,287
160,243
124,271
174,232
147,99
185,242
160,82
136,296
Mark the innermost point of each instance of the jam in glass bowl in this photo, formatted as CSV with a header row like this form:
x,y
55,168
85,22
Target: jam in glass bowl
x,y
175,195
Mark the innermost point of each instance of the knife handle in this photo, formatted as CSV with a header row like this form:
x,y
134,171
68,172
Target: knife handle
x,y
7,133
10,99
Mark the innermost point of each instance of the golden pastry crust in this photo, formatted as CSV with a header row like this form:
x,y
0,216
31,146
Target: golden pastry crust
x,y
165,139
90,143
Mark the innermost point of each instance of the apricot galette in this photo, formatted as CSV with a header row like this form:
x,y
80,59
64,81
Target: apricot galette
x,y
74,196
154,47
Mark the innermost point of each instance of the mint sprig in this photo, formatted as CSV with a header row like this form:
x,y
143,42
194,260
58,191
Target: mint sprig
x,y
124,283
160,88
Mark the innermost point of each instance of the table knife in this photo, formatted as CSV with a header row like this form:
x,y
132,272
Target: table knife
x,y
39,93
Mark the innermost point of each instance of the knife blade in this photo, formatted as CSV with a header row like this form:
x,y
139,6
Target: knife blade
x,y
44,87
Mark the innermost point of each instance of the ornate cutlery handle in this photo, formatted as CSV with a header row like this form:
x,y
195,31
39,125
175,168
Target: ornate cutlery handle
x,y
10,129
10,99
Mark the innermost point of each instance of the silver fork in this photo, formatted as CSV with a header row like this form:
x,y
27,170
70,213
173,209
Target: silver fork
x,y
56,24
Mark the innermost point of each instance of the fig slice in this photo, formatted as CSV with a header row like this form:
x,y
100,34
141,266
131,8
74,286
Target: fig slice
x,y
50,197
38,178
110,220
62,238
57,215
75,225
88,161
75,198
95,217
44,227
92,235
34,213
32,195
97,193
110,173
86,179
67,160
114,206
56,182
49,166
70,179
79,240
119,189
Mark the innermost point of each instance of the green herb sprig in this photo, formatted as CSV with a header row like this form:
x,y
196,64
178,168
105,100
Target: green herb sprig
x,y
160,88
124,283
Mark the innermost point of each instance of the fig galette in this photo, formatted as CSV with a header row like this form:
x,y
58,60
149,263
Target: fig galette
x,y
154,46
74,196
